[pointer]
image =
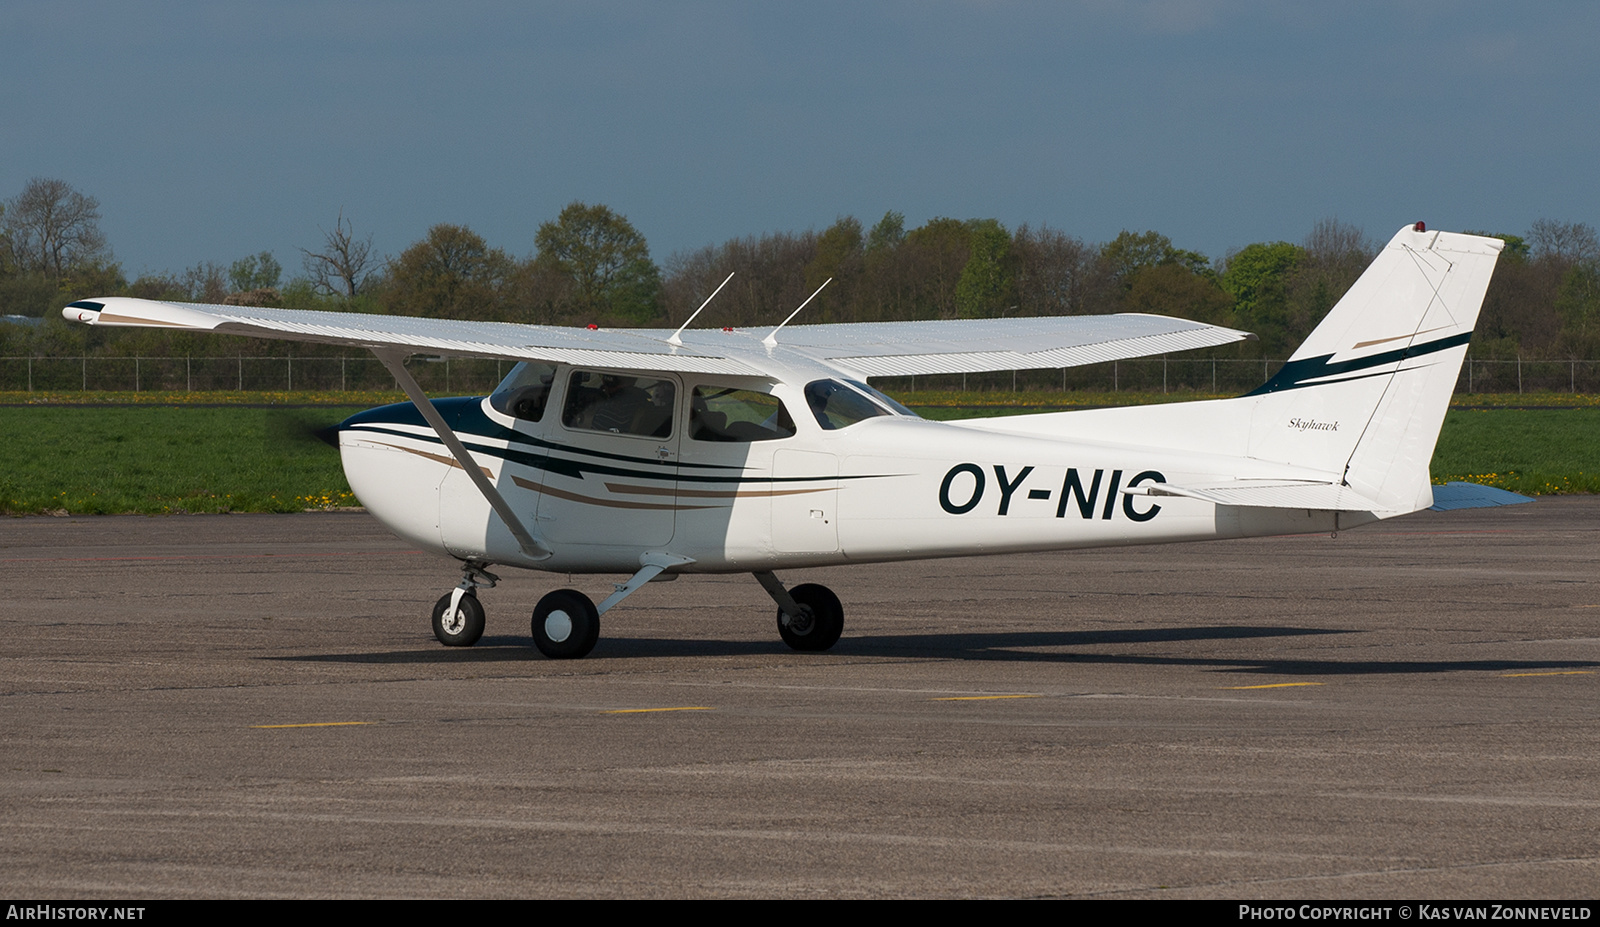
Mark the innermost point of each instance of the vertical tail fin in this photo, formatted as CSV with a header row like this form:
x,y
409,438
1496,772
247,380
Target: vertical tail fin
x,y
1365,395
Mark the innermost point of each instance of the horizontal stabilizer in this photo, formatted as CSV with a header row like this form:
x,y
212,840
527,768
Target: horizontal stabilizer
x,y
1267,494
1460,495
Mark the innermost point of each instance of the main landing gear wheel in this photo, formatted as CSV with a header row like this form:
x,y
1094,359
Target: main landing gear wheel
x,y
821,619
461,629
565,625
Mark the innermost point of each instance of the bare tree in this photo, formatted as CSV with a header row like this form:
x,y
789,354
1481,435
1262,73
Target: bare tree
x,y
342,266
1334,256
51,228
1332,242
771,279
1565,243
206,282
1053,271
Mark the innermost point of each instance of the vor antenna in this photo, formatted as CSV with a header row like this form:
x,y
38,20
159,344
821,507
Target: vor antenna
x,y
771,340
679,341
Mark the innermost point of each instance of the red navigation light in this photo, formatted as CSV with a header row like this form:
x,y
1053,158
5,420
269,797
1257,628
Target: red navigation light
x,y
1420,227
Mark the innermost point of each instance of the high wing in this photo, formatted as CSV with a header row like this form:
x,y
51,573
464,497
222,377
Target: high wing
x,y
882,349
615,348
864,349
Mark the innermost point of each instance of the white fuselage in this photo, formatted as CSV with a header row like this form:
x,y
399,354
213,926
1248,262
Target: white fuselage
x,y
887,488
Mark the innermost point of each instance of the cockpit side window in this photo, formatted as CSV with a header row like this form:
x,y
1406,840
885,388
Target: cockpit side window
x,y
836,405
619,404
524,391
726,413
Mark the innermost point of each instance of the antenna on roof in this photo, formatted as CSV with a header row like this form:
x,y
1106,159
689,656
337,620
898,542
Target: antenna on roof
x,y
771,340
679,341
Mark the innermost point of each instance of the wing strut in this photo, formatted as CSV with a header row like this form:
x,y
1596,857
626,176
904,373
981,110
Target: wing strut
x,y
394,360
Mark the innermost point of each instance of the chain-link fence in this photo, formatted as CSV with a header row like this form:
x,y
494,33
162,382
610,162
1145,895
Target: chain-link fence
x,y
473,376
190,374
1232,376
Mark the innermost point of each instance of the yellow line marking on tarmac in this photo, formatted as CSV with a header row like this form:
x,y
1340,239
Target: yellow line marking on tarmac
x,y
980,698
1562,673
1276,685
313,724
641,711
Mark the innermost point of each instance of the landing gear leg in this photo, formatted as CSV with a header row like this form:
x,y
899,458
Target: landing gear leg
x,y
810,617
566,624
457,617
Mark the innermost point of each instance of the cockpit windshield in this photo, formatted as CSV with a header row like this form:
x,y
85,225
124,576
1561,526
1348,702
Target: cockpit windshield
x,y
883,399
841,403
524,391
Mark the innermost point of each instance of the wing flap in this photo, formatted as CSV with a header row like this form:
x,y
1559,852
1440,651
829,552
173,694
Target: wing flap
x,y
879,349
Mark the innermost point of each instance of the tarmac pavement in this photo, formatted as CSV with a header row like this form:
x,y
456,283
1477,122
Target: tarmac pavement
x,y
254,706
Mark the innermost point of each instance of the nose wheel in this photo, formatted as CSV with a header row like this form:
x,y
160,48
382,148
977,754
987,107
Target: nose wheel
x,y
458,617
460,626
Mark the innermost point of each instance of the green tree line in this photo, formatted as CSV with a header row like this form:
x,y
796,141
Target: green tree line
x,y
590,265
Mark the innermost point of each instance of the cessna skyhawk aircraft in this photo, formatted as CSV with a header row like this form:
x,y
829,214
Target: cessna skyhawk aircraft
x,y
653,453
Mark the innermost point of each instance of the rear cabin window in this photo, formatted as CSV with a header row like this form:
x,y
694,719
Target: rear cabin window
x,y
524,391
725,413
619,404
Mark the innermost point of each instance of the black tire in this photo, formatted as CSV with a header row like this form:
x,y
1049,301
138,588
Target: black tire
x,y
821,623
565,625
467,625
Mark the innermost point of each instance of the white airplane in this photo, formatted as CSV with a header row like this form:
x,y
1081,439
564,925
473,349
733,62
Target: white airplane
x,y
654,453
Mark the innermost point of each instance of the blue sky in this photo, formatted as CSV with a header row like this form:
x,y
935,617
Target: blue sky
x,y
209,131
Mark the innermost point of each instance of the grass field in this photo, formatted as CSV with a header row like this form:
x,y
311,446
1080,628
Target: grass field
x,y
250,452
155,459
1533,451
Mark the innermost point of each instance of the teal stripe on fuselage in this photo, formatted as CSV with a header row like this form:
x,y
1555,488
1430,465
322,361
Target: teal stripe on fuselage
x,y
465,417
467,425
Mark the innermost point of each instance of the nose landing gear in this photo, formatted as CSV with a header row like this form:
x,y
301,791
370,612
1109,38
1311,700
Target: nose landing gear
x,y
458,620
458,617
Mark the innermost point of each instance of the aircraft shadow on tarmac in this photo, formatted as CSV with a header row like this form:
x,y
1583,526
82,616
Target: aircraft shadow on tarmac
x,y
1012,646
